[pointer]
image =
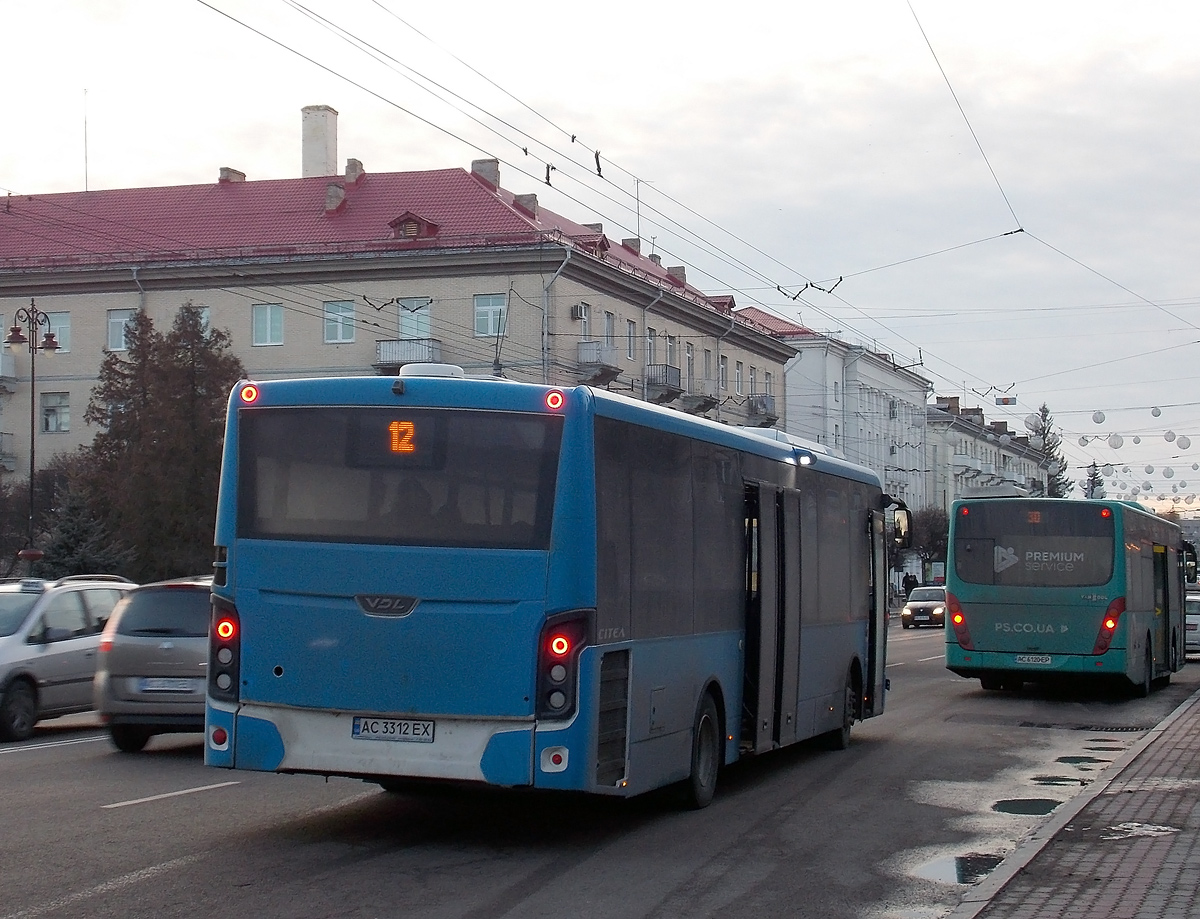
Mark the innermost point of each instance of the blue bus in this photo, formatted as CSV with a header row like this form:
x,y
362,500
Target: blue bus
x,y
427,577
1048,588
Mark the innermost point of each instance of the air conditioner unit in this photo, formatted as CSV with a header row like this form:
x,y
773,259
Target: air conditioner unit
x,y
579,311
892,449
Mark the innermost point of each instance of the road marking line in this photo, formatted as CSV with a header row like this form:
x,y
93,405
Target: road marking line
x,y
169,794
895,664
48,744
936,657
125,880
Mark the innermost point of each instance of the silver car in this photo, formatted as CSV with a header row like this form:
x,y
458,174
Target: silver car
x,y
1191,625
49,634
925,606
153,660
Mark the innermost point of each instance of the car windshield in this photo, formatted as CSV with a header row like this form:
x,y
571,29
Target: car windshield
x,y
920,594
14,607
181,611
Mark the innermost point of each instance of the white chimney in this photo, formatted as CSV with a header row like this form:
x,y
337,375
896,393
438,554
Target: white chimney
x,y
318,141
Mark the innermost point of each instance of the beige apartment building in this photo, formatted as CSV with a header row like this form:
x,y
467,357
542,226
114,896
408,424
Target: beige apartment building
x,y
359,273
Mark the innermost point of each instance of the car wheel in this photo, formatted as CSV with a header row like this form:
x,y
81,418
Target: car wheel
x,y
18,712
907,625
706,756
129,739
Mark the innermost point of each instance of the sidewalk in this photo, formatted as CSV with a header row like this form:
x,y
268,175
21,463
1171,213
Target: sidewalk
x,y
1127,848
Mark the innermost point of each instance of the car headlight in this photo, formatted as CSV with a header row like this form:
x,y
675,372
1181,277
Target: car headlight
x,y
938,610
906,612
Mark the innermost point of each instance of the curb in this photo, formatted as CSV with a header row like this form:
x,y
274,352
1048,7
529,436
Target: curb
x,y
982,893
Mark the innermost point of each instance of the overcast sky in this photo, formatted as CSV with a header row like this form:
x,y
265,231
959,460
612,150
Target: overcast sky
x,y
766,146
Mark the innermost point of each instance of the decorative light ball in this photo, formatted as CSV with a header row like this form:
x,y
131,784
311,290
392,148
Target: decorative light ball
x,y
1107,469
1083,441
1032,422
1125,470
1134,490
1183,442
1005,439
1156,411
1182,483
1175,500
1146,486
1168,436
1169,473
1149,469
1189,499
1115,441
991,437
1037,442
1098,417
1195,465
1136,439
1054,467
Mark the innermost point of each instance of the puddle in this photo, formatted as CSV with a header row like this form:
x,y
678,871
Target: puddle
x,y
1133,830
1081,760
1026,807
1059,781
960,869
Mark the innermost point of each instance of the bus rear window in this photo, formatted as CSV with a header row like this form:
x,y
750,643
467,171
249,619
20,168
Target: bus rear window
x,y
1049,544
430,477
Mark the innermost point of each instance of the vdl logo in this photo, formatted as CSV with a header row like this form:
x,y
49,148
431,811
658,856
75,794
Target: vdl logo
x,y
382,605
1004,558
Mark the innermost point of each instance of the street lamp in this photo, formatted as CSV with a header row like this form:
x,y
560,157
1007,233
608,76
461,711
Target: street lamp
x,y
34,319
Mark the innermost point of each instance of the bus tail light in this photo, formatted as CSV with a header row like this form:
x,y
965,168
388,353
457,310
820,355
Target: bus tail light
x,y
562,640
224,652
1108,625
958,621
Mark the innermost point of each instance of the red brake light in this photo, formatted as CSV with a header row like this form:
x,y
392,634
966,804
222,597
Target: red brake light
x,y
964,511
1108,625
248,393
555,400
560,645
958,618
226,629
1105,512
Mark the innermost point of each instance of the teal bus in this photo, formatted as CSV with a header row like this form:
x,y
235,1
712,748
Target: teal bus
x,y
1048,588
433,578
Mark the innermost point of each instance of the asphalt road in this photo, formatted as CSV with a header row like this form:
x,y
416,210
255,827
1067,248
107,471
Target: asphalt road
x,y
929,796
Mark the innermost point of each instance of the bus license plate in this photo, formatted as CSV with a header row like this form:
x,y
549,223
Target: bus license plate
x,y
1033,658
397,729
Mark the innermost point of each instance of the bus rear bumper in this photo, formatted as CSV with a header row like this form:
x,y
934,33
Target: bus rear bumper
x,y
1032,665
279,739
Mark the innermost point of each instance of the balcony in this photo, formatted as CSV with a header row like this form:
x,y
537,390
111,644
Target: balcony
x,y
392,354
599,364
701,398
8,455
760,409
662,383
966,466
8,372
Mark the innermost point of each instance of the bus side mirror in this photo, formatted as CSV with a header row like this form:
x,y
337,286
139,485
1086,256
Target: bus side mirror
x,y
1189,562
902,529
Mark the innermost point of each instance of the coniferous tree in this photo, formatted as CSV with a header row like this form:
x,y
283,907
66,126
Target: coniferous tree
x,y
1058,482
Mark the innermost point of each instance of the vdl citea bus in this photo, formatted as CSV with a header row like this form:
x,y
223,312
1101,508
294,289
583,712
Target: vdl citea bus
x,y
427,577
1048,588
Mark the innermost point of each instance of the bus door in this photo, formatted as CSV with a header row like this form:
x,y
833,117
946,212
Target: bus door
x,y
771,681
1162,610
873,691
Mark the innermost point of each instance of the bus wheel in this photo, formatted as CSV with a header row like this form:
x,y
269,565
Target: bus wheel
x,y
706,756
839,738
1143,688
991,682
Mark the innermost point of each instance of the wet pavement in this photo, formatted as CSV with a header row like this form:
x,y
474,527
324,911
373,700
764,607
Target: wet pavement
x,y
1126,847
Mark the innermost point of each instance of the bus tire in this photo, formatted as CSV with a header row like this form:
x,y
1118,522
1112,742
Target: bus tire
x,y
706,755
839,738
991,682
1143,689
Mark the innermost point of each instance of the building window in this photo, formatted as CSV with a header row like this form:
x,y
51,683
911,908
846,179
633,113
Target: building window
x,y
415,318
339,322
651,346
490,314
837,436
767,383
689,356
585,321
753,375
60,325
671,351
837,392
118,327
724,372
708,365
610,329
56,412
737,378
266,321
630,339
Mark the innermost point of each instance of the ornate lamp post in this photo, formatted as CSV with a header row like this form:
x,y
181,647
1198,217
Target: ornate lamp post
x,y
34,319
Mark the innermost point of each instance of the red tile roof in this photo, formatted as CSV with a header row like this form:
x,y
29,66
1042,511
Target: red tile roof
x,y
775,325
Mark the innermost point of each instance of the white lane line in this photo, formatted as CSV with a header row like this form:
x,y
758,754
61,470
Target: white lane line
x,y
126,880
46,745
895,664
936,657
169,794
